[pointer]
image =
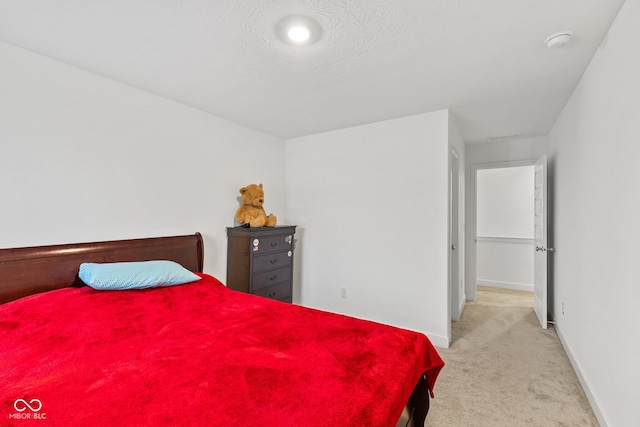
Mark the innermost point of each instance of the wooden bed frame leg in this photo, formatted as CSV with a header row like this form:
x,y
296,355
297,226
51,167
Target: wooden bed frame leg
x,y
420,402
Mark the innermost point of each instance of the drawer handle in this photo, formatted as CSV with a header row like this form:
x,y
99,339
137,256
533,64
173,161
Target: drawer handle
x,y
272,295
274,244
273,277
273,261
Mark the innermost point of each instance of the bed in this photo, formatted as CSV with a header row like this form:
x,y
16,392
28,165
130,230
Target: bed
x,y
191,354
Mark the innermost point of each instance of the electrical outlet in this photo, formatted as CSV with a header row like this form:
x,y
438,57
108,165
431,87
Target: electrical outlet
x,y
343,292
562,307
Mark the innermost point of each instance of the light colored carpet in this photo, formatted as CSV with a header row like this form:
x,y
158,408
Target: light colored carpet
x,y
503,369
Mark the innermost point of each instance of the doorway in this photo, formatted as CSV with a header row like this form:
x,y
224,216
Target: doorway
x,y
471,270
505,228
456,287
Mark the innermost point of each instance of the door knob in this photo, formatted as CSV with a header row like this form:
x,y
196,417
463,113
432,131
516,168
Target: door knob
x,y
453,247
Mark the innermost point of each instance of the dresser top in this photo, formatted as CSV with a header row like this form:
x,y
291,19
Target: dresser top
x,y
261,231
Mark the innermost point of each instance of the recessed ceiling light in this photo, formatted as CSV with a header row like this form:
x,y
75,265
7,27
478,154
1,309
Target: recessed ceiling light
x,y
558,39
298,30
299,34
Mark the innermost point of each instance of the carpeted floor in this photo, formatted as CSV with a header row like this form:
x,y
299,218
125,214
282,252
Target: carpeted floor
x,y
503,369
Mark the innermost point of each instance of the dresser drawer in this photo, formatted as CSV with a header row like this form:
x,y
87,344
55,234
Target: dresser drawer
x,y
272,277
280,292
269,244
272,260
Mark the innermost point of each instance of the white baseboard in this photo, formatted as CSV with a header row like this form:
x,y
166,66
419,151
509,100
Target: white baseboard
x,y
583,382
505,285
439,340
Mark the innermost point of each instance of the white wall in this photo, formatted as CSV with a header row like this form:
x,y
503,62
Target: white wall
x,y
84,158
511,153
504,262
505,244
505,202
371,206
594,153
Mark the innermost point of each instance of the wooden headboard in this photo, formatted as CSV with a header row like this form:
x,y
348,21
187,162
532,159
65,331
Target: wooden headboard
x,y
26,271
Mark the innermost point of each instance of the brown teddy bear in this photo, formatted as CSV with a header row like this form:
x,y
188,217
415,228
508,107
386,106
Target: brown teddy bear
x,y
251,213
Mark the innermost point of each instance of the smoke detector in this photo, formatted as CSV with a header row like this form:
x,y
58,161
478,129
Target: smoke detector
x,y
558,39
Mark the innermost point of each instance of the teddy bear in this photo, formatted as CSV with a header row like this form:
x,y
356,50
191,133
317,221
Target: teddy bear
x,y
251,213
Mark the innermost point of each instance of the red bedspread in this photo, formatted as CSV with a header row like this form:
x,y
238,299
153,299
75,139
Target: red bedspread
x,y
200,354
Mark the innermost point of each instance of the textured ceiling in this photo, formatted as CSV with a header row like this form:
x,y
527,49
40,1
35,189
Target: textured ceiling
x,y
375,59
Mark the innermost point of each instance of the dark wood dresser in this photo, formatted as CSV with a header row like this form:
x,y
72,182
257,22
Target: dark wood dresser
x,y
260,260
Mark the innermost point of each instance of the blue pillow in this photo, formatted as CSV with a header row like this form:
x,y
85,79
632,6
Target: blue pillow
x,y
134,275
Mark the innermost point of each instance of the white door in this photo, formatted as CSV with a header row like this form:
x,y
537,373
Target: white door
x,y
454,232
540,240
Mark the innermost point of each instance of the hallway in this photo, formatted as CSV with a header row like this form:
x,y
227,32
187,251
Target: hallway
x,y
502,369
